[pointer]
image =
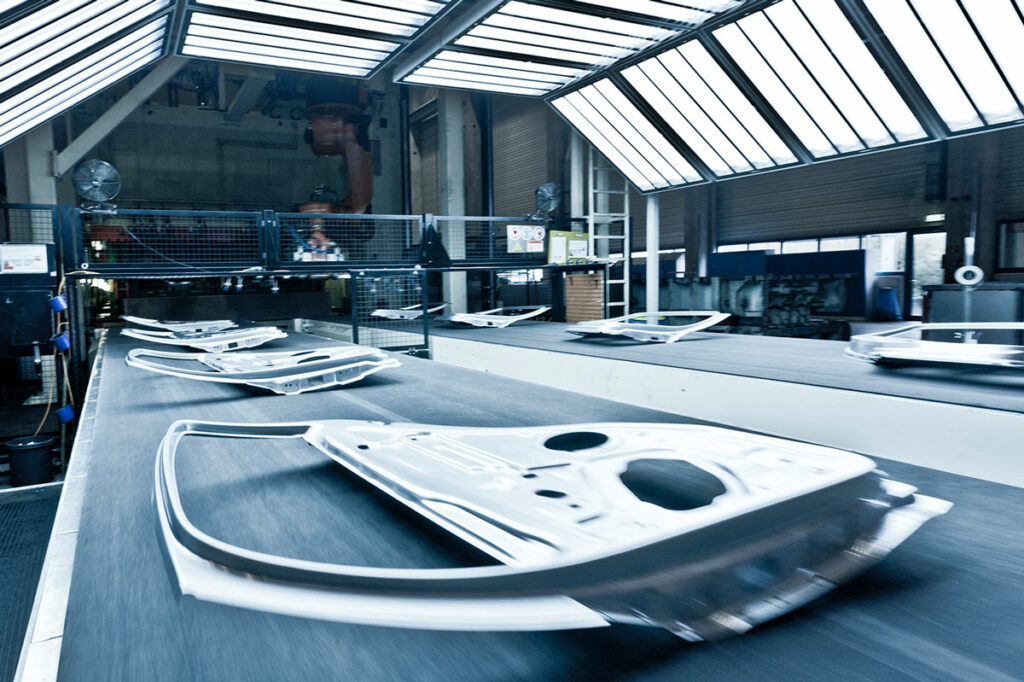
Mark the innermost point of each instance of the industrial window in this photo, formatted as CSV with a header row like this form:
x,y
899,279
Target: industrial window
x,y
83,78
691,92
811,66
618,130
800,246
775,247
730,248
839,244
965,55
885,252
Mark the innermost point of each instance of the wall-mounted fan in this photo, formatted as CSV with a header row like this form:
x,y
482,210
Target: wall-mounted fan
x,y
548,196
97,183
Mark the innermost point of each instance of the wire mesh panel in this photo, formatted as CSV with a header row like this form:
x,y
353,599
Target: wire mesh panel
x,y
169,240
311,240
27,223
479,239
384,307
27,390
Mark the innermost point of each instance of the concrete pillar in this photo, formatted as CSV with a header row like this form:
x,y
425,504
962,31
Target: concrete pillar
x,y
577,177
28,162
452,179
653,242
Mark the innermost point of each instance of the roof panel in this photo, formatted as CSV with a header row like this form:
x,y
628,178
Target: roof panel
x,y
588,35
918,52
80,80
613,124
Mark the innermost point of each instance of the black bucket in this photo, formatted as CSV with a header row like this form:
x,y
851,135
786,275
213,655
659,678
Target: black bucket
x,y
31,459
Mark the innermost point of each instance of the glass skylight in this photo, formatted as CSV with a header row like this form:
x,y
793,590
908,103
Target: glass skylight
x,y
811,66
480,72
945,50
610,122
690,12
50,37
522,28
691,92
85,77
218,37
389,17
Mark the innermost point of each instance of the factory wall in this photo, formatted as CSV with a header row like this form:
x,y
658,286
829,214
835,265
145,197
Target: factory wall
x,y
528,141
881,192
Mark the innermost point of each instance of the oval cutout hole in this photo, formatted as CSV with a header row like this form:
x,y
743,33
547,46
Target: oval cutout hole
x,y
575,441
671,483
553,494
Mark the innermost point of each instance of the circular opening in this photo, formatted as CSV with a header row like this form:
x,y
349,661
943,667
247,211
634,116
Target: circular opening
x,y
577,440
363,446
671,483
554,494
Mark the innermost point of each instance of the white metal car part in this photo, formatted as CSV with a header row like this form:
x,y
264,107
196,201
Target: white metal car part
x,y
500,317
636,326
701,530
197,326
211,342
286,372
906,345
412,312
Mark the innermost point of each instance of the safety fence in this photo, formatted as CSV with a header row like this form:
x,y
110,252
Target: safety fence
x,y
166,243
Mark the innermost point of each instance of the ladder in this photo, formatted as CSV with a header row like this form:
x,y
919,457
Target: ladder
x,y
608,226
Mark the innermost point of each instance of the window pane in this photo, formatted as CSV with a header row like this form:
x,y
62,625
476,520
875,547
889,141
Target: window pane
x,y
731,248
766,246
840,244
801,246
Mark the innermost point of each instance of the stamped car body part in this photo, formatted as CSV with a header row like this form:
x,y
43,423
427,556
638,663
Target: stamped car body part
x,y
412,312
211,342
635,326
197,326
700,530
905,345
285,372
500,317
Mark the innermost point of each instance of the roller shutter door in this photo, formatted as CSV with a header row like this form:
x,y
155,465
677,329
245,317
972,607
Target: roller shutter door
x,y
873,193
426,190
521,142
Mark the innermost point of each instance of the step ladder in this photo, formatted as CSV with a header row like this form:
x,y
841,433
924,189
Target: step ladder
x,y
608,225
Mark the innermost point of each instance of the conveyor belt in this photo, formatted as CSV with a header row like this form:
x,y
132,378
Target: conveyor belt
x,y
801,361
946,605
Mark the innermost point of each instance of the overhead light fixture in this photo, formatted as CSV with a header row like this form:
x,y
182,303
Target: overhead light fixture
x,y
620,131
807,60
965,63
56,34
935,218
691,92
82,79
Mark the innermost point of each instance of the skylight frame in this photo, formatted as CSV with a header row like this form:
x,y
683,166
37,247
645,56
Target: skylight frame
x,y
37,44
942,87
77,80
476,35
644,151
686,88
811,66
315,19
